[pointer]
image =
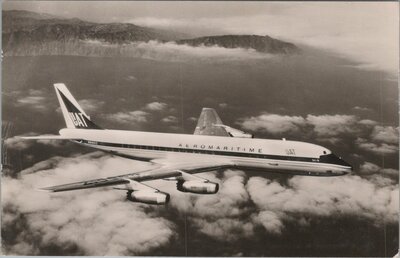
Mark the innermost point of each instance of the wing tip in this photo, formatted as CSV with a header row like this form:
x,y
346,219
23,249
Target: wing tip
x,y
58,84
45,189
28,137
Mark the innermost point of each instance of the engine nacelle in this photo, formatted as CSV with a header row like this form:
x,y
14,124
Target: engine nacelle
x,y
148,197
198,187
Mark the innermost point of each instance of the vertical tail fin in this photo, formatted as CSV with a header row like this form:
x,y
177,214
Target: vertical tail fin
x,y
73,114
207,121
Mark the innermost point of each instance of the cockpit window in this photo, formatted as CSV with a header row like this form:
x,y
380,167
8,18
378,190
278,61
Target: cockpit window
x,y
333,159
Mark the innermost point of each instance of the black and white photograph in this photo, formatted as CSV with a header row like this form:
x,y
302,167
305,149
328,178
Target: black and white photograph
x,y
191,128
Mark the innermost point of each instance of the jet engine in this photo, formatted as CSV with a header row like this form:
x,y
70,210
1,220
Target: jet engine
x,y
148,197
196,186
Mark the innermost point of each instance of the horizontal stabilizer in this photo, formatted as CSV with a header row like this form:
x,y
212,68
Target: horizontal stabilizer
x,y
47,137
235,132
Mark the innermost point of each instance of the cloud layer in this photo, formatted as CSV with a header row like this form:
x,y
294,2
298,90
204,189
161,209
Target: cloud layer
x,y
156,106
273,123
325,197
90,105
328,128
35,99
131,117
147,113
97,222
17,143
172,52
365,32
102,222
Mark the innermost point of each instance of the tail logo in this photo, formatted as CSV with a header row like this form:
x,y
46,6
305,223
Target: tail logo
x,y
78,119
74,113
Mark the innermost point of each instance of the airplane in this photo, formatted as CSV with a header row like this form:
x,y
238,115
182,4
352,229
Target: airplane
x,y
178,157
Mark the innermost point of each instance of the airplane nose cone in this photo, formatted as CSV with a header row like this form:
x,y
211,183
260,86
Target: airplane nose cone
x,y
333,159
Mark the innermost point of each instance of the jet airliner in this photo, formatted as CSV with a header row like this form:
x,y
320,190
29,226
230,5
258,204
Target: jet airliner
x,y
179,157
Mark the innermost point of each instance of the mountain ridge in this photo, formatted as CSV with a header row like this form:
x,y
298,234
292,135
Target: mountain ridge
x,y
31,33
265,44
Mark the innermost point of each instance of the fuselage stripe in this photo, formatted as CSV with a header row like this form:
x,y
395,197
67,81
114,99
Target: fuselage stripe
x,y
199,151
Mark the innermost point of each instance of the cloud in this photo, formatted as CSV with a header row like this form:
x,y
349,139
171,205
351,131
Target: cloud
x,y
371,168
172,52
90,105
273,123
365,32
327,126
383,181
241,206
132,117
312,196
223,216
377,148
350,29
53,143
156,106
364,109
367,122
223,105
302,198
382,140
17,143
97,222
332,125
365,133
170,120
131,78
35,100
270,221
168,23
50,163
387,134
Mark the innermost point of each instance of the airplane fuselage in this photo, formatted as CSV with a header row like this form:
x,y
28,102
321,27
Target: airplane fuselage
x,y
212,146
259,154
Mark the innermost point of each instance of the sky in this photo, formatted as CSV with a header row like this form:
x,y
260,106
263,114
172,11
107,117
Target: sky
x,y
367,32
350,107
251,215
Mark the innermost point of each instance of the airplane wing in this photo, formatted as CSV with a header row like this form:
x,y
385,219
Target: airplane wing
x,y
47,137
161,172
205,125
210,124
